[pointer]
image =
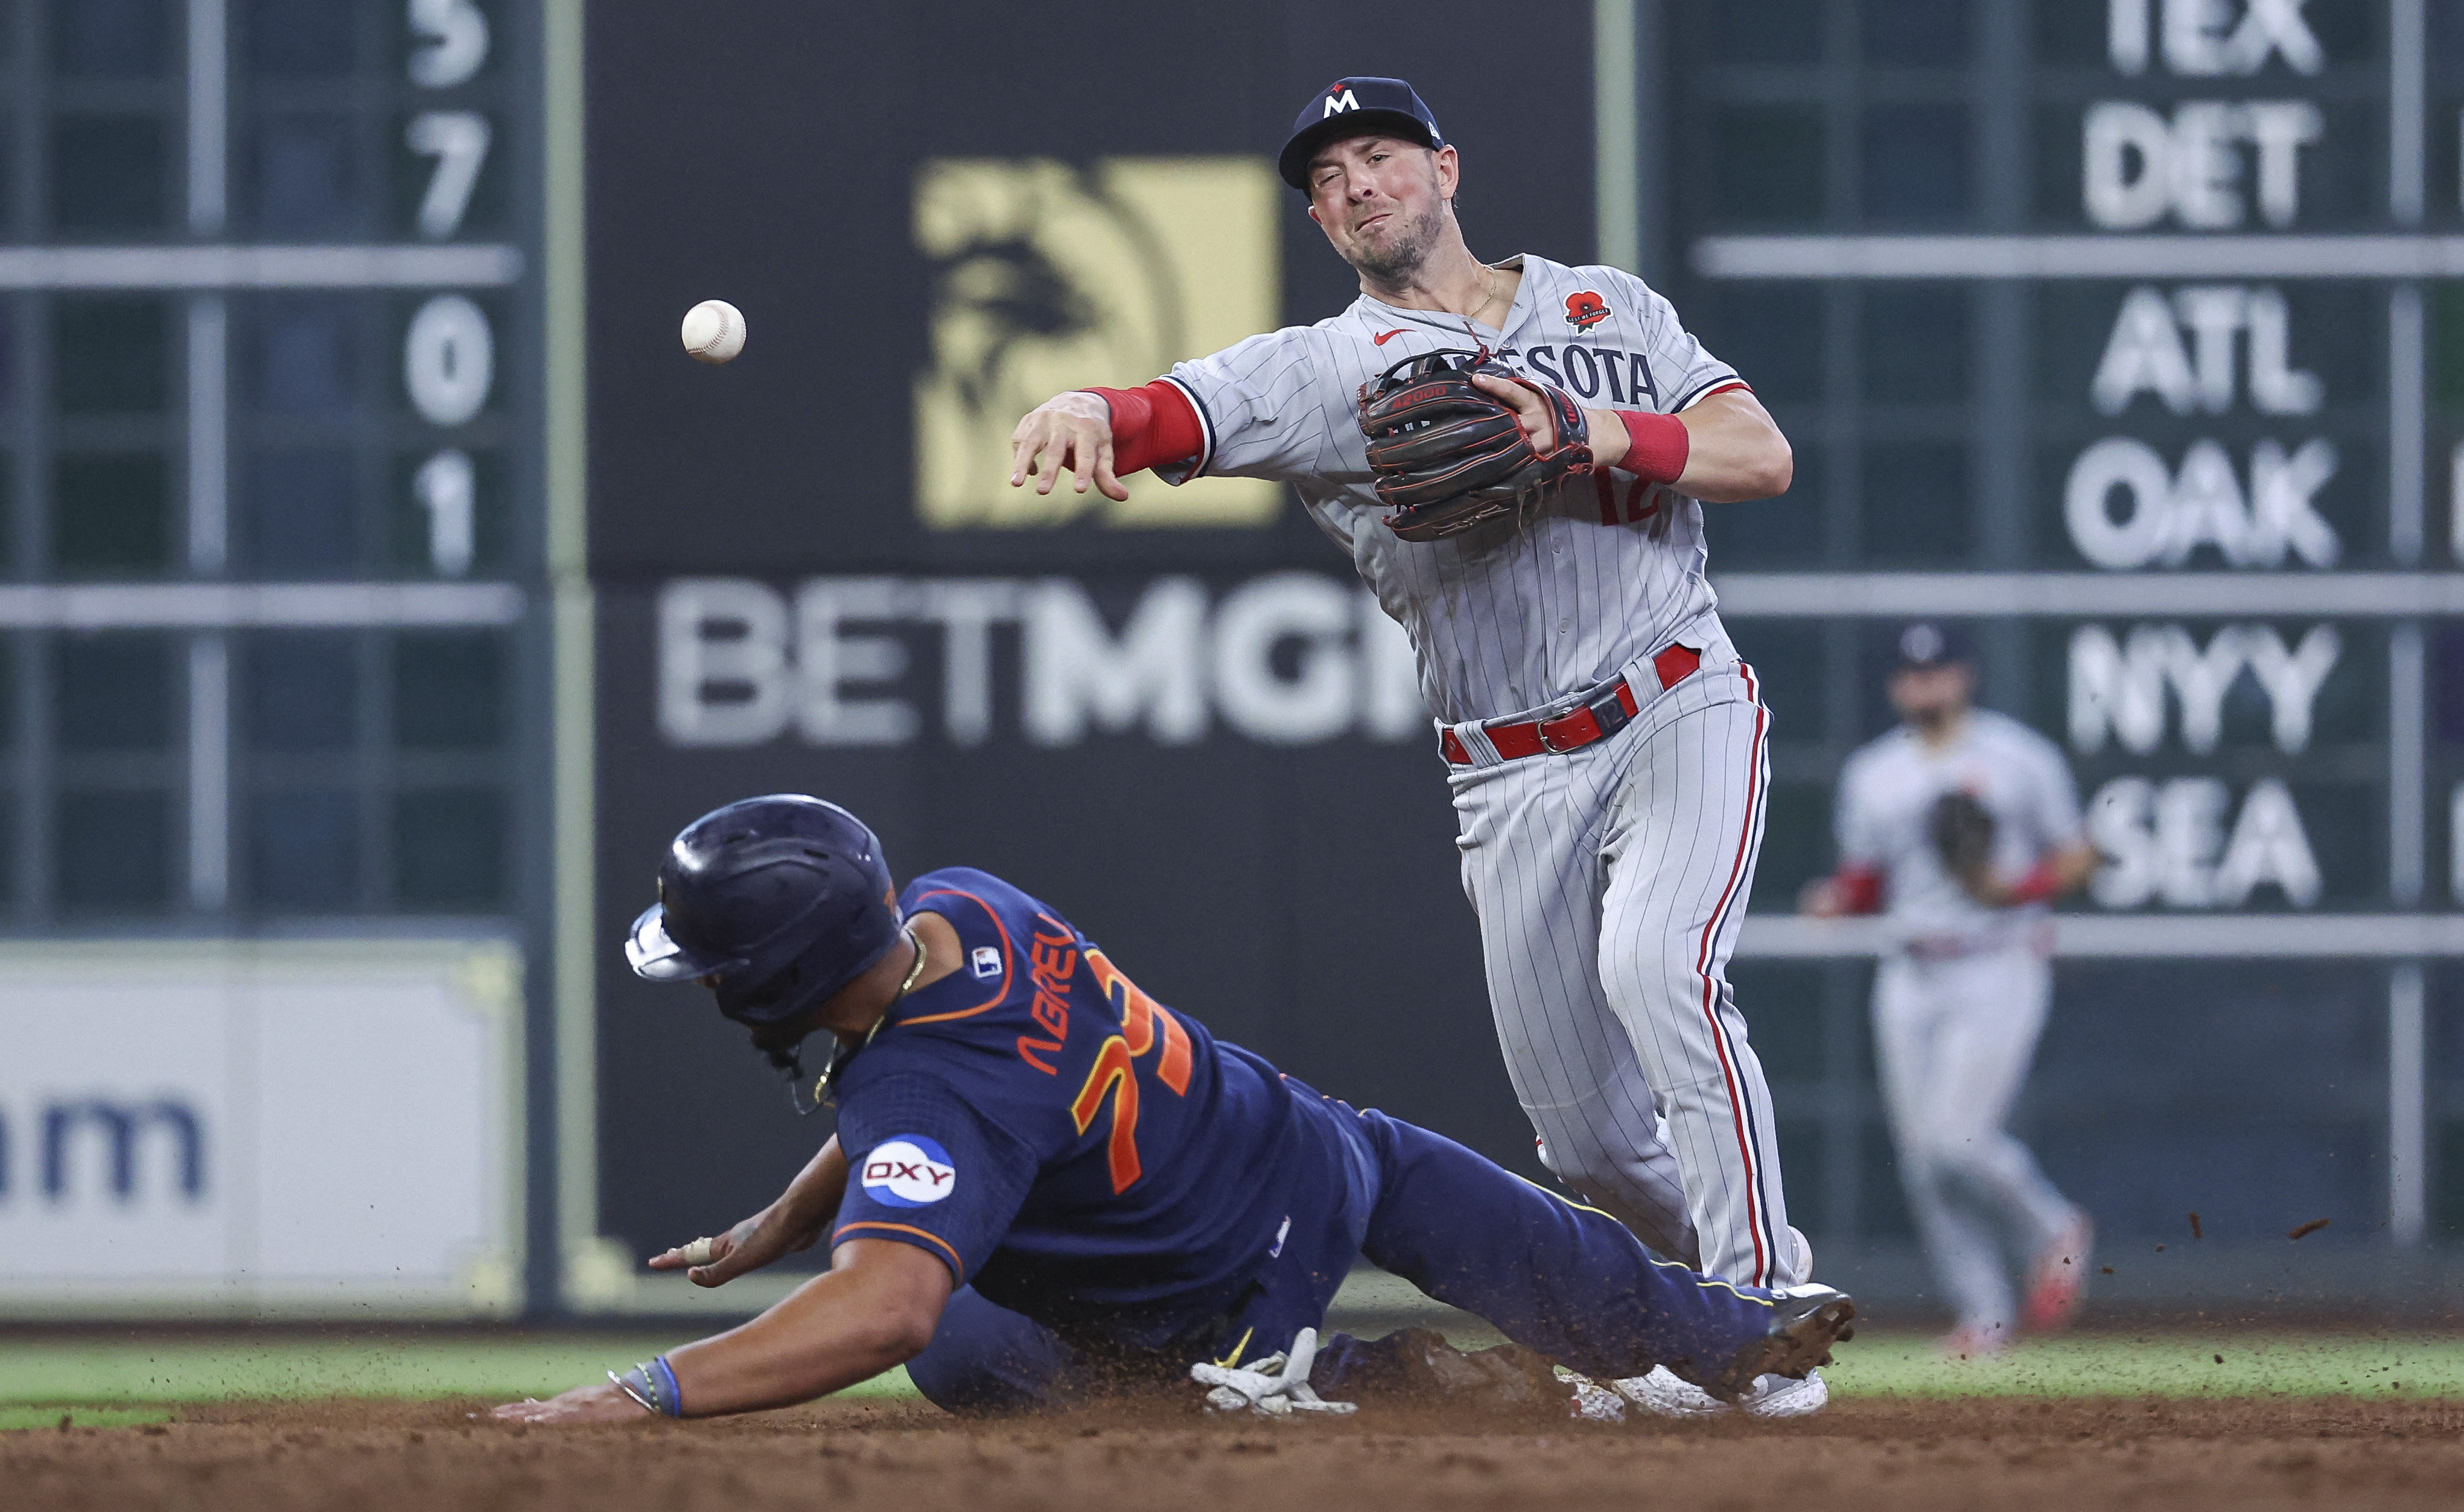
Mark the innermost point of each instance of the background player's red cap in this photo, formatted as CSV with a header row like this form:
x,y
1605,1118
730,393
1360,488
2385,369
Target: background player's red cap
x,y
1355,107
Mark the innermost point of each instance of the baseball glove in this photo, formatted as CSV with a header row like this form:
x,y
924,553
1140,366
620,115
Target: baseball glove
x,y
1963,837
1448,456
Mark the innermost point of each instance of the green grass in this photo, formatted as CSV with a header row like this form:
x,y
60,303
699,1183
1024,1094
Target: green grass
x,y
78,1372
125,1382
2162,1364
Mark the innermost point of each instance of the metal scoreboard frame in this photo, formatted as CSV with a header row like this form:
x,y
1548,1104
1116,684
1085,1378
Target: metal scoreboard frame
x,y
2233,228
409,175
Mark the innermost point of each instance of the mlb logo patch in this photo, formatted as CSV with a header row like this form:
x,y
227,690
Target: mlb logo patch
x,y
912,1171
986,961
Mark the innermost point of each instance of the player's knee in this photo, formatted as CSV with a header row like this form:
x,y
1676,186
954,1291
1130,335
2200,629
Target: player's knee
x,y
1562,1160
1584,1167
1953,1160
902,1332
955,1382
1647,981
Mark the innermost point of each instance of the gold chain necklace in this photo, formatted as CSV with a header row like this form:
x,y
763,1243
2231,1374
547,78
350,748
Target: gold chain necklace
x,y
1489,276
916,971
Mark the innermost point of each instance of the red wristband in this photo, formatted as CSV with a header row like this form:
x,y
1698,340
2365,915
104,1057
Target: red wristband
x,y
1860,890
1656,446
2037,885
1151,424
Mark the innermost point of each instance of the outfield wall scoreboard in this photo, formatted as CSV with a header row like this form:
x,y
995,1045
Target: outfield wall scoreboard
x,y
273,669
2103,344
2131,333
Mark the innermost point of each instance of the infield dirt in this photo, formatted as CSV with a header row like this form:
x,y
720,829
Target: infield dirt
x,y
2012,1456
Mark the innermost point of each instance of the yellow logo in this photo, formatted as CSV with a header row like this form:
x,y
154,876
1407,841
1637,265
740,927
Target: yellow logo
x,y
1049,278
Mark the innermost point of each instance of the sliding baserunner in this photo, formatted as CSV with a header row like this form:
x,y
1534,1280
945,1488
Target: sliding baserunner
x,y
1045,1182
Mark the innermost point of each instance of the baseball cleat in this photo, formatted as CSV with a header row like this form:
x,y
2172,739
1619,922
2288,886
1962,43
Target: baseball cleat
x,y
1592,1402
2059,1277
1776,1397
1664,1394
1806,1321
1773,1376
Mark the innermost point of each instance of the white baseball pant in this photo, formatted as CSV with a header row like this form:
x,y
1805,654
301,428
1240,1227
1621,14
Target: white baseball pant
x,y
1611,881
1953,1037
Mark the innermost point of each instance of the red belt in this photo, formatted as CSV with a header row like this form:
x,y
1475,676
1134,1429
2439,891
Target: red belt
x,y
1603,711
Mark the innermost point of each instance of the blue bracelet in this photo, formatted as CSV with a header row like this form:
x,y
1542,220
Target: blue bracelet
x,y
671,1400
652,1386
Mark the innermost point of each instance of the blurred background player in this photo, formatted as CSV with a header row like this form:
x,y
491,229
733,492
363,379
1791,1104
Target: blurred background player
x,y
1962,825
1606,746
1046,1183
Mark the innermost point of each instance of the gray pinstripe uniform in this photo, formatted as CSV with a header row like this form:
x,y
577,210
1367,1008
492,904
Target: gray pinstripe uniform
x,y
1958,1008
1610,881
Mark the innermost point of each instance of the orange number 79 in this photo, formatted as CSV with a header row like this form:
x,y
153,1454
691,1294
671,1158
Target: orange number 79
x,y
1144,1021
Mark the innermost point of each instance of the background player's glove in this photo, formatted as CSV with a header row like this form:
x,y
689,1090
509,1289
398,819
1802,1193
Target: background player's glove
x,y
1963,837
1275,1386
1448,456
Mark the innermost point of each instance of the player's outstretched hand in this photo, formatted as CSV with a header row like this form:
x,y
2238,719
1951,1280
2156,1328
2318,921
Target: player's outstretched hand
x,y
602,1403
1068,432
748,1247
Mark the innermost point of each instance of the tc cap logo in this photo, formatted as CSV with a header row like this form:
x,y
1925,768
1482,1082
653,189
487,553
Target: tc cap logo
x,y
986,961
908,1171
1585,309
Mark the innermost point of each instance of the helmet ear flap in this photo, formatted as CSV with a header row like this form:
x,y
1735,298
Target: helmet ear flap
x,y
831,960
768,993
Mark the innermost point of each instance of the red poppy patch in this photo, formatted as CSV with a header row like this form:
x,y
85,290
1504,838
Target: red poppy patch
x,y
1585,309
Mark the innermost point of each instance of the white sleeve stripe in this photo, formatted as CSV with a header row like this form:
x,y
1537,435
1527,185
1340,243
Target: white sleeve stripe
x,y
1703,389
1205,428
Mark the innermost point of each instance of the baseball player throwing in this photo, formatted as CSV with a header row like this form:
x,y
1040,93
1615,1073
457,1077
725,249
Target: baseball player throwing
x,y
1964,824
1046,1183
1512,455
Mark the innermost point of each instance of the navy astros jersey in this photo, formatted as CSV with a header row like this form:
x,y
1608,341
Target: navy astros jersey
x,y
1061,1141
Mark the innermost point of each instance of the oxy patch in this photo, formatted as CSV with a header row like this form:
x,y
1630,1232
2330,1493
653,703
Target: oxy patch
x,y
908,1171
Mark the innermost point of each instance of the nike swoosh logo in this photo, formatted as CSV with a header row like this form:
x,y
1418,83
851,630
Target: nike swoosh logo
x,y
1381,341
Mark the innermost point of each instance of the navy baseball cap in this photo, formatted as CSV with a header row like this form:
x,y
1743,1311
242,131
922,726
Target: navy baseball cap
x,y
1926,643
1355,107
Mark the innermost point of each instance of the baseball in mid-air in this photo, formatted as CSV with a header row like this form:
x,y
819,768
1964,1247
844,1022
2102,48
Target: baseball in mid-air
x,y
714,331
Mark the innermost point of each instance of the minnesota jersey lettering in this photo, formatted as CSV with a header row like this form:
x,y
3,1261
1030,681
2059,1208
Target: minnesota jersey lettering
x,y
1585,371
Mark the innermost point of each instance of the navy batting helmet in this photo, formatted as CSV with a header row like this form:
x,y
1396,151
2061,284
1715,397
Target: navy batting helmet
x,y
777,902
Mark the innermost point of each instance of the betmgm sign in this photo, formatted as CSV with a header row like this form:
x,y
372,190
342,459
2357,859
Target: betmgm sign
x,y
1283,659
